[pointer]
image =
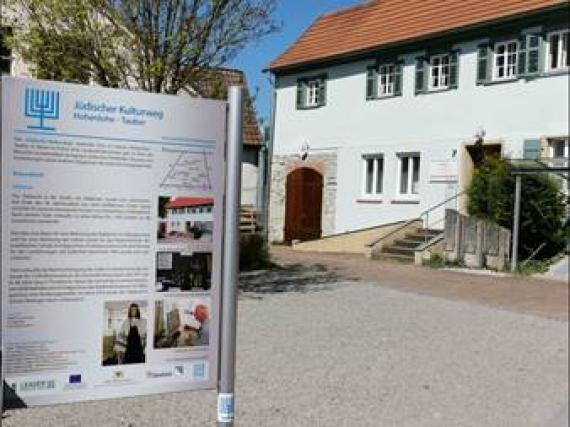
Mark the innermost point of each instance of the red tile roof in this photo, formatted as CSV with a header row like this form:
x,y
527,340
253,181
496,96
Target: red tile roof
x,y
214,83
185,202
383,22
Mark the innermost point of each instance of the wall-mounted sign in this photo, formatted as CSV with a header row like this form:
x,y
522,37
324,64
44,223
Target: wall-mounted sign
x,y
111,241
443,170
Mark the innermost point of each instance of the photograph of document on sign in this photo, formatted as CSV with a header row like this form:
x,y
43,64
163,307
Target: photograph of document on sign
x,y
111,241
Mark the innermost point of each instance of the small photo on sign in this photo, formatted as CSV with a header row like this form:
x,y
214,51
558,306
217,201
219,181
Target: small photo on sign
x,y
182,322
124,332
183,272
183,220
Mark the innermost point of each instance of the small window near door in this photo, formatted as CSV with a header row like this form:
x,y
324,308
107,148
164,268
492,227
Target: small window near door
x,y
373,165
409,178
558,148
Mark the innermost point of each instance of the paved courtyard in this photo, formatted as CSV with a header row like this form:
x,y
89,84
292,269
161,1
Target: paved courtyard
x,y
317,347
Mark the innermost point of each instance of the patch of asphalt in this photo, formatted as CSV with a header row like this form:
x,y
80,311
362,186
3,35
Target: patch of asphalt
x,y
363,355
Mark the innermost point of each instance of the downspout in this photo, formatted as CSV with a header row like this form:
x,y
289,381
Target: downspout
x,y
269,158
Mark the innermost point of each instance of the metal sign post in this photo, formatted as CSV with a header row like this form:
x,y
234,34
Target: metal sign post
x,y
231,260
516,224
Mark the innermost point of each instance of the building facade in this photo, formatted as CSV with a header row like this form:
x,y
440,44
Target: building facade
x,y
384,110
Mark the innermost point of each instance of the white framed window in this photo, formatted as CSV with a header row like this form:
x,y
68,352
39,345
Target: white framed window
x,y
312,94
409,174
439,72
386,80
557,53
558,148
506,60
373,175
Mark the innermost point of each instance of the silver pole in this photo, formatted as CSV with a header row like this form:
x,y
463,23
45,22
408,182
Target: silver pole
x,y
231,260
516,223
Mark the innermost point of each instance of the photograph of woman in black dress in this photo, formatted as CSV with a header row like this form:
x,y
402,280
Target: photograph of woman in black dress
x,y
131,340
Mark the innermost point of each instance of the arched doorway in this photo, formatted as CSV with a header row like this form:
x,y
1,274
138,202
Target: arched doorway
x,y
303,205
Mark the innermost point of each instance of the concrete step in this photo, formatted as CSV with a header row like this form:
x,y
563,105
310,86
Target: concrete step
x,y
418,239
428,232
398,250
405,243
394,257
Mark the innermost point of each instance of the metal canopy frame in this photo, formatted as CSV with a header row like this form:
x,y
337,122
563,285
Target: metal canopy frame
x,y
520,167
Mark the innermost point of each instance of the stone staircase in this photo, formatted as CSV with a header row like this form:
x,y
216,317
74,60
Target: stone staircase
x,y
403,250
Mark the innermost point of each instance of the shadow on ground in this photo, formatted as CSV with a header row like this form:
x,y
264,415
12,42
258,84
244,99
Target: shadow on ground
x,y
289,278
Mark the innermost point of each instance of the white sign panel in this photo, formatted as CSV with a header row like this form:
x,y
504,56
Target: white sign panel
x,y
111,240
443,170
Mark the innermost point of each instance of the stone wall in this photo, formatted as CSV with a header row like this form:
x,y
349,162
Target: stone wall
x,y
326,164
475,243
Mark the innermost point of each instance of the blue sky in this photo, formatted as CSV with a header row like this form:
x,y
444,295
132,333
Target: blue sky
x,y
295,16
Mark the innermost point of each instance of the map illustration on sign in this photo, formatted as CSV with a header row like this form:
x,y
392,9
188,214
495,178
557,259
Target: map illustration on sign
x,y
190,170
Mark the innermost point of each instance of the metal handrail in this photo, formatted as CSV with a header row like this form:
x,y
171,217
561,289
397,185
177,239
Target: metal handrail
x,y
443,203
406,224
427,212
411,221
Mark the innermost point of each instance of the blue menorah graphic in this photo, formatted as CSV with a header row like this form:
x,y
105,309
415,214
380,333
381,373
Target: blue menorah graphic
x,y
42,105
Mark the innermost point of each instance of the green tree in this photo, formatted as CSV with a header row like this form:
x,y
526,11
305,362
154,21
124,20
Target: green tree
x,y
543,207
159,46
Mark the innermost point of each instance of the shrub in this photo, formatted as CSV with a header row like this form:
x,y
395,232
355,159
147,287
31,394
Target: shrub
x,y
543,207
254,253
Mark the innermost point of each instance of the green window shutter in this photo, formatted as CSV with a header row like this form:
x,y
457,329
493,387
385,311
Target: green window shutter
x,y
484,61
322,91
371,83
522,56
398,68
533,54
531,149
453,69
300,94
420,75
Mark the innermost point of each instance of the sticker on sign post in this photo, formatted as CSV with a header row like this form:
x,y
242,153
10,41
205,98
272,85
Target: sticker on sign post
x,y
225,407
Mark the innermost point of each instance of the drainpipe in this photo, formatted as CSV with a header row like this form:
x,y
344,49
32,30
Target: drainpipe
x,y
269,159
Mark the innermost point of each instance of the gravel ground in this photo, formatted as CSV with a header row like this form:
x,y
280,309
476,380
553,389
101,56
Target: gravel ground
x,y
357,354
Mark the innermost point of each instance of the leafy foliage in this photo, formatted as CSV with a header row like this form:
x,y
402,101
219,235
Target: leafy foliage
x,y
491,197
155,45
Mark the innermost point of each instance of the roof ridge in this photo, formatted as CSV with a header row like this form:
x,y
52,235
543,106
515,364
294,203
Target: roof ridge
x,y
347,9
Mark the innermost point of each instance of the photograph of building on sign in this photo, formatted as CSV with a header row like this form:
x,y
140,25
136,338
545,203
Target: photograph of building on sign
x,y
185,220
182,322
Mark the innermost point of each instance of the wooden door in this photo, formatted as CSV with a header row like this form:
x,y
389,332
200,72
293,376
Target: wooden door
x,y
303,205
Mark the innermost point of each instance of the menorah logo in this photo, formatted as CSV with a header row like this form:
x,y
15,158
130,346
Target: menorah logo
x,y
42,105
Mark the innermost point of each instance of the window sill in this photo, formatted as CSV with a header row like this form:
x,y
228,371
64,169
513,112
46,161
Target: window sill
x,y
405,201
311,108
372,200
384,97
433,91
500,81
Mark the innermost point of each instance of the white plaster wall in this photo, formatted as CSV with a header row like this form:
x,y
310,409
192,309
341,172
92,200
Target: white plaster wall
x,y
249,170
177,221
433,124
